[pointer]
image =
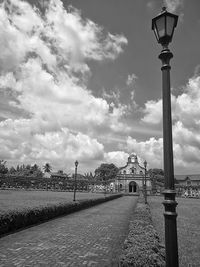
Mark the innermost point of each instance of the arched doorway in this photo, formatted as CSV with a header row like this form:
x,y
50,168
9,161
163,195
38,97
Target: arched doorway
x,y
132,187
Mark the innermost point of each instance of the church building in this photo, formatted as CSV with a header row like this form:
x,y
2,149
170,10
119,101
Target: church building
x,y
130,178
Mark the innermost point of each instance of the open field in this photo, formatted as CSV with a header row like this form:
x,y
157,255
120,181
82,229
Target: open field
x,y
188,224
12,200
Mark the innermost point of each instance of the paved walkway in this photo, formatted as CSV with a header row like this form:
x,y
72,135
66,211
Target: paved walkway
x,y
91,237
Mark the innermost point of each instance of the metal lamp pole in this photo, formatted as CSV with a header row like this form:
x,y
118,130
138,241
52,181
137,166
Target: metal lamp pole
x,y
104,186
143,185
163,26
145,182
75,176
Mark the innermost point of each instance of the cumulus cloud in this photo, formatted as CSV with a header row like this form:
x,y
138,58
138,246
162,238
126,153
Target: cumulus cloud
x,y
44,63
184,106
173,5
21,140
150,150
131,79
153,112
186,124
150,4
119,158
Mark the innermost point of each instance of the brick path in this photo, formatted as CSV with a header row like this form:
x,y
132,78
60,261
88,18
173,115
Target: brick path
x,y
91,237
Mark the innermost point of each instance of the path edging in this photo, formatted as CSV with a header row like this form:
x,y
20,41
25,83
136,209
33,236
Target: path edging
x,y
142,247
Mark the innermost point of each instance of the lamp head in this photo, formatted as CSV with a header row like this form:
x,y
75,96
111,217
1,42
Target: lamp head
x,y
76,163
163,26
145,164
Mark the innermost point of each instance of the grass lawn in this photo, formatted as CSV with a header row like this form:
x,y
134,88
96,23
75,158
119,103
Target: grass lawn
x,y
18,200
188,225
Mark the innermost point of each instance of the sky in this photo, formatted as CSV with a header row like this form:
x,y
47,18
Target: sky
x,y
81,80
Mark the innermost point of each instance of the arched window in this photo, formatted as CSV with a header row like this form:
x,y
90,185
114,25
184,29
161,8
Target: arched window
x,y
132,170
124,171
120,186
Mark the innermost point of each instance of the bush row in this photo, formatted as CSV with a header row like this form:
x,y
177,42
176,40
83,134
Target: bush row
x,y
142,248
19,219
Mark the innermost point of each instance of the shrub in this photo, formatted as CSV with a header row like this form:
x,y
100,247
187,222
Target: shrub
x,y
142,247
23,218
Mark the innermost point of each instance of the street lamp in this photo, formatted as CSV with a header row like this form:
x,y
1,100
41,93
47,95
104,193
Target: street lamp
x,y
145,182
104,186
76,165
163,26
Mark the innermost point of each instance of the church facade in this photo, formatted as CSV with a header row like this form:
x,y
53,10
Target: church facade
x,y
131,178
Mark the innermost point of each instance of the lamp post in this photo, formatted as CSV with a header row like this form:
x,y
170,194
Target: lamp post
x,y
104,186
143,185
76,165
145,181
163,26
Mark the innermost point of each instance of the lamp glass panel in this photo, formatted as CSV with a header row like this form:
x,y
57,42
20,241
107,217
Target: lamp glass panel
x,y
155,32
170,25
160,23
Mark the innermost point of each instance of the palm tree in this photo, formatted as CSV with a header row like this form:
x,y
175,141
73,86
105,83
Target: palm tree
x,y
47,167
89,176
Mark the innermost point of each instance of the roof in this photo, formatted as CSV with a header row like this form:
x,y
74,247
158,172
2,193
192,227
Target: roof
x,y
57,174
136,163
182,177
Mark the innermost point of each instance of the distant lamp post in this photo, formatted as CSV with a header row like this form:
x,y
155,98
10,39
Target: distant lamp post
x,y
145,181
163,26
75,176
104,186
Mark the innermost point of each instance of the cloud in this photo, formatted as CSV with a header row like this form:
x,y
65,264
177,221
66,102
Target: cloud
x,y
185,106
185,147
115,96
44,70
173,5
80,39
131,79
119,158
150,150
153,112
150,4
20,140
186,124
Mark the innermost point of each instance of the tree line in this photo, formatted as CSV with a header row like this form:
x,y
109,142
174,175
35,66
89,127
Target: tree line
x,y
105,172
24,170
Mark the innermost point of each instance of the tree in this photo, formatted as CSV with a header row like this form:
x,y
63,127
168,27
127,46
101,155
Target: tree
x,y
35,169
47,167
89,176
3,168
106,172
157,177
18,168
12,170
155,172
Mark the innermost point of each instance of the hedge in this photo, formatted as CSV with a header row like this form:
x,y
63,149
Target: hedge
x,y
15,220
142,247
